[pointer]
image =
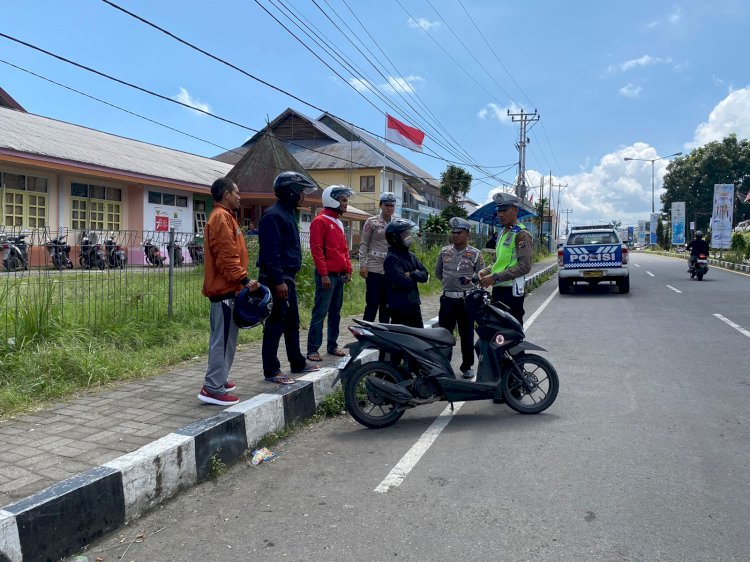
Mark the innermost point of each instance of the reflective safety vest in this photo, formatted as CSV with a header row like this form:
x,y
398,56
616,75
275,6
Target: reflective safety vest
x,y
506,252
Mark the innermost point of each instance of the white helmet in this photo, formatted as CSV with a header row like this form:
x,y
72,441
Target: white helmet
x,y
332,193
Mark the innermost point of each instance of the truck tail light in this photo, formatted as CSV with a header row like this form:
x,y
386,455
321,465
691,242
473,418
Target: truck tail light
x,y
559,258
624,255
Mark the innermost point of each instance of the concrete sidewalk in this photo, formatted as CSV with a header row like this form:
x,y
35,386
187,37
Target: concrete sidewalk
x,y
81,468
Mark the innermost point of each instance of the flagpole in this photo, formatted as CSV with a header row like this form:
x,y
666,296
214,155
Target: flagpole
x,y
385,144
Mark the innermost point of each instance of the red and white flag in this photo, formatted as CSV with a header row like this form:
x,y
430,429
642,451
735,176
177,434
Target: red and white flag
x,y
400,133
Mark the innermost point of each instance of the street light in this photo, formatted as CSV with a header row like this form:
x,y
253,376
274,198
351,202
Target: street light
x,y
652,160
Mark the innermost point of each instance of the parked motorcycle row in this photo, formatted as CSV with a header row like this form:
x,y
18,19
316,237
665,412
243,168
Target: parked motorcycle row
x,y
111,253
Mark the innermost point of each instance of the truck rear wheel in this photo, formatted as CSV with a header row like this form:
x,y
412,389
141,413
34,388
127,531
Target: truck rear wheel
x,y
624,285
563,285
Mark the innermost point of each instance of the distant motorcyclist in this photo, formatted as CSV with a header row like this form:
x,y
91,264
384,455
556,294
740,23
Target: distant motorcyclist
x,y
696,247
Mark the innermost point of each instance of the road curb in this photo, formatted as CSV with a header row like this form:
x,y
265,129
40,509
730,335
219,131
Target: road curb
x,y
712,261
61,519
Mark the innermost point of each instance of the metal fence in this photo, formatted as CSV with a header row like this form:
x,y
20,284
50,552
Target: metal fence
x,y
40,291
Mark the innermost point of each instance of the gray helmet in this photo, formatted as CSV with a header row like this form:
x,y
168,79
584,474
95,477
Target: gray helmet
x,y
387,197
459,224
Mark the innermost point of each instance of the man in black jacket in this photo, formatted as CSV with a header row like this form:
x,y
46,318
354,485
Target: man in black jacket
x,y
697,247
402,273
279,260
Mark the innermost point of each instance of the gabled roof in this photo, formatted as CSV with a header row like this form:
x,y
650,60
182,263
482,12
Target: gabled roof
x,y
6,100
46,140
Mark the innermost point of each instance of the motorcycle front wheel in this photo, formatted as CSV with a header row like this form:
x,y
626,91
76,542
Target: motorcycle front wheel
x,y
372,411
540,388
14,263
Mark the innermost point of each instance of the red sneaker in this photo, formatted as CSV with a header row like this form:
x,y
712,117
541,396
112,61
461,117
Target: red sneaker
x,y
217,399
230,386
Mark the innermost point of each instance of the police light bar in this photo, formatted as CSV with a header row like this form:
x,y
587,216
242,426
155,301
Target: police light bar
x,y
591,227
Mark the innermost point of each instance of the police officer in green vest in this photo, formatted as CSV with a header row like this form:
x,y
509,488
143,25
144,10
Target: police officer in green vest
x,y
514,253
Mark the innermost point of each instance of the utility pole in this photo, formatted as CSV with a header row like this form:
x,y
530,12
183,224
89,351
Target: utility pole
x,y
522,118
567,212
559,188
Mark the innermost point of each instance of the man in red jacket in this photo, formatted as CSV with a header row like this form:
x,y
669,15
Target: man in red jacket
x,y
224,275
333,268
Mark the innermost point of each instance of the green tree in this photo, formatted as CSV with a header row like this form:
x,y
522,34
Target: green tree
x,y
455,183
436,224
691,178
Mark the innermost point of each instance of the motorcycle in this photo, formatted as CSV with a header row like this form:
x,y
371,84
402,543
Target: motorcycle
x,y
414,366
179,259
91,254
15,253
195,249
59,252
152,253
699,267
115,253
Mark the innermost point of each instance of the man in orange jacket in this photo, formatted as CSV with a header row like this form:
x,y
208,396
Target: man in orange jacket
x,y
333,268
224,275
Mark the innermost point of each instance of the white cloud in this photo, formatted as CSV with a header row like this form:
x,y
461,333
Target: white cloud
x,y
394,85
423,23
629,91
675,17
730,115
645,60
185,97
498,112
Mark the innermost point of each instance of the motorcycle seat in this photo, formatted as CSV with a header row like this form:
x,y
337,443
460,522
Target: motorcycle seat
x,y
440,335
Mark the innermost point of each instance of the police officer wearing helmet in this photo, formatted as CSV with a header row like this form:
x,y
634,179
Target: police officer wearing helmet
x,y
333,268
696,247
403,271
456,262
373,250
514,253
224,275
279,260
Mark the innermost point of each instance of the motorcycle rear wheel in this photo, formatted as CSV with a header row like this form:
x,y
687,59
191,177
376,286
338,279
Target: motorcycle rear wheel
x,y
540,375
371,411
699,275
14,263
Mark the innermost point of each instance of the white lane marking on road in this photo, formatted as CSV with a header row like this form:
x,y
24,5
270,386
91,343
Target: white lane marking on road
x,y
651,274
674,289
737,327
530,321
412,456
635,264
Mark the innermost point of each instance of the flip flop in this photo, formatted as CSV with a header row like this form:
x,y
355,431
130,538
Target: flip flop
x,y
338,352
314,357
308,368
280,379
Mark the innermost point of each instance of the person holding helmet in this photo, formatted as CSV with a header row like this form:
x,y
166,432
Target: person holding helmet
x,y
402,273
373,249
514,253
279,260
224,275
696,247
333,268
456,262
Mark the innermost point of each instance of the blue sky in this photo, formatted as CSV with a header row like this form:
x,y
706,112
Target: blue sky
x,y
638,79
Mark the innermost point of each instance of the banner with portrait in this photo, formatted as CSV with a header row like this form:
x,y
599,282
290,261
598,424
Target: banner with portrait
x,y
678,223
721,216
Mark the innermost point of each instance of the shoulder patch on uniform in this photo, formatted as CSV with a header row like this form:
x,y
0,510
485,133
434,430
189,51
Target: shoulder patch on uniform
x,y
521,243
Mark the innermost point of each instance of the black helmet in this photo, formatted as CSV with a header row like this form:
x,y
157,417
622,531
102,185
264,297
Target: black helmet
x,y
252,307
699,234
288,184
395,230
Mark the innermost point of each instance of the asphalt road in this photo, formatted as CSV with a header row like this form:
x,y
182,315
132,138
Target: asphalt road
x,y
644,456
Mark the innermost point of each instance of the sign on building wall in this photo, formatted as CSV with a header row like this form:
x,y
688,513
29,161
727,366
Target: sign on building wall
x,y
161,223
164,209
678,222
721,217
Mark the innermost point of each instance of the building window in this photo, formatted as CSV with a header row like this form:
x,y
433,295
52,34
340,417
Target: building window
x,y
95,207
367,184
24,200
170,199
199,214
390,186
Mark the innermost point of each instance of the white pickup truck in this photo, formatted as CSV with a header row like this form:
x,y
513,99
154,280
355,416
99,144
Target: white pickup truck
x,y
593,254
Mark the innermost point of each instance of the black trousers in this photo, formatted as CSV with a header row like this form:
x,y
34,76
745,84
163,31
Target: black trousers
x,y
408,316
454,312
284,320
505,296
375,298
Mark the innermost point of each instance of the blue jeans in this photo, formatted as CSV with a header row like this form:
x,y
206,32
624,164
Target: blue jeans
x,y
327,302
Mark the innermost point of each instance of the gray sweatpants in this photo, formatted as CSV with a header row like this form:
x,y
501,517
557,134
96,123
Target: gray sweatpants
x,y
221,345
